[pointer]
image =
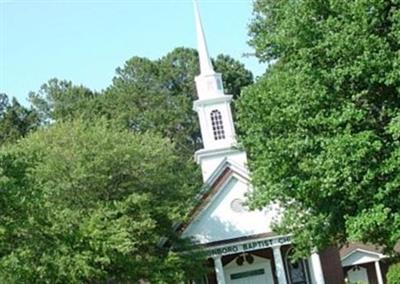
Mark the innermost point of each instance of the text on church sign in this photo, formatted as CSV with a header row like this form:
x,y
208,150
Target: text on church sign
x,y
248,246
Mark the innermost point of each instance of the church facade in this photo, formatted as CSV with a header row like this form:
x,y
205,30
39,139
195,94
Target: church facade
x,y
240,243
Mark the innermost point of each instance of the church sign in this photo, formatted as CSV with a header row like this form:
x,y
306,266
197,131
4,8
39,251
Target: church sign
x,y
248,246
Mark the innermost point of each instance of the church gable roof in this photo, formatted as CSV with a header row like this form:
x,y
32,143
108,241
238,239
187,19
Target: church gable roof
x,y
225,170
220,170
221,213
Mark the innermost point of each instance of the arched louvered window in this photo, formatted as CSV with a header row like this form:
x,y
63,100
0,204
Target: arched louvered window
x,y
217,125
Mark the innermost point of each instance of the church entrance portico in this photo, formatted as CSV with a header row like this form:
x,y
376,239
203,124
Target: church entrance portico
x,y
263,260
253,261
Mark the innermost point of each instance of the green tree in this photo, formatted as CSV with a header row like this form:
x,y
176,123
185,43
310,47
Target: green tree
x,y
3,102
322,126
234,75
15,120
61,100
86,202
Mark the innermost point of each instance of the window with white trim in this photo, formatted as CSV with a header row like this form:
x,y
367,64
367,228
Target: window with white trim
x,y
217,125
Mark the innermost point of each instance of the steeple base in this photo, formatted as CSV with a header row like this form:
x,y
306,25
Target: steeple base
x,y
209,159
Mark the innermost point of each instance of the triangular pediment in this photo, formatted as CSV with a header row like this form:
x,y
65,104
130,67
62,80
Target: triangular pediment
x,y
360,256
222,214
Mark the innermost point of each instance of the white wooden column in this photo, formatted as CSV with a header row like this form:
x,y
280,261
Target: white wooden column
x,y
378,272
317,269
279,266
219,270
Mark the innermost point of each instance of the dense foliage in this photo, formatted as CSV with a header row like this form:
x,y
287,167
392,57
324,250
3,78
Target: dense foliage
x,y
322,126
393,275
83,202
15,120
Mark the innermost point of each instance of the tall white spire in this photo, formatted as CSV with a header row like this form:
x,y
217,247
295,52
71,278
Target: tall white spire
x,y
214,111
208,82
206,67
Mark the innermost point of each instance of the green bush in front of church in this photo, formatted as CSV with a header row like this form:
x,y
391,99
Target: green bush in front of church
x,y
393,275
88,202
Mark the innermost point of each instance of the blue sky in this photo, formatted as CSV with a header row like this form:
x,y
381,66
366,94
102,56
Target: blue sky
x,y
84,40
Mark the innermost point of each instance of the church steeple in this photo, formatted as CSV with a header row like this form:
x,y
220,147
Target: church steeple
x,y
208,82
205,62
214,111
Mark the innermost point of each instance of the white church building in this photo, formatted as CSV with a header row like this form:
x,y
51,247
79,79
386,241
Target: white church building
x,y
241,246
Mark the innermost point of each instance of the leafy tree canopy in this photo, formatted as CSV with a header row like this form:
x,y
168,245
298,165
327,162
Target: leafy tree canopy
x,y
61,100
87,202
322,126
15,120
